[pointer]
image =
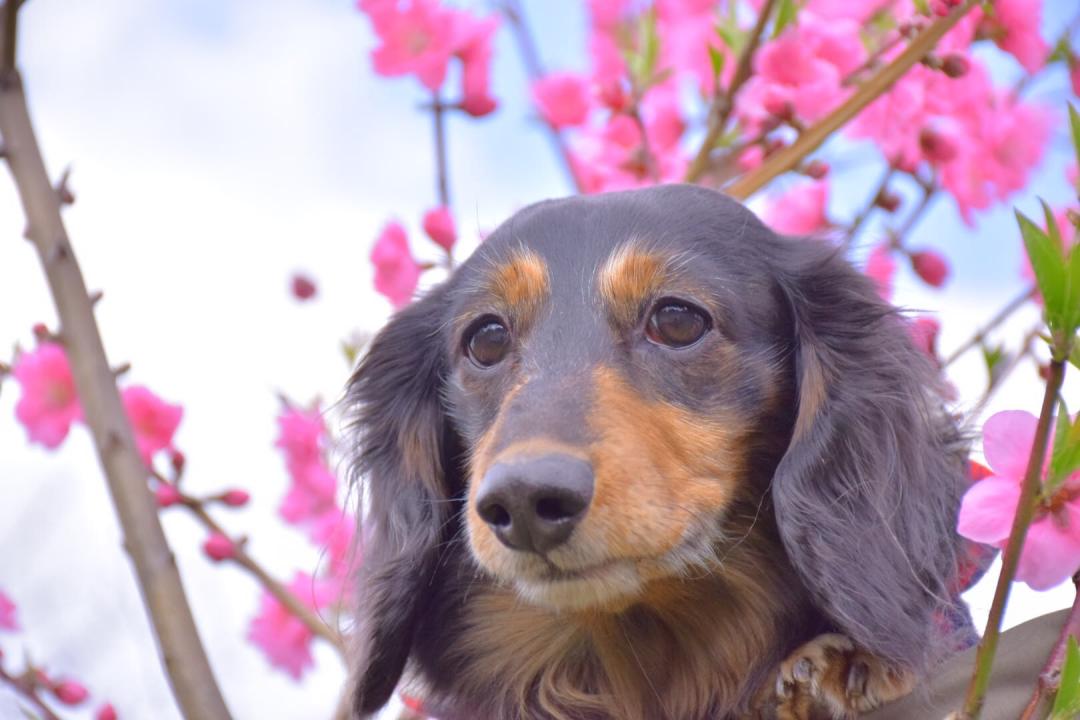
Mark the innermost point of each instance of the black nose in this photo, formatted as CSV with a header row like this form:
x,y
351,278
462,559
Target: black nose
x,y
535,503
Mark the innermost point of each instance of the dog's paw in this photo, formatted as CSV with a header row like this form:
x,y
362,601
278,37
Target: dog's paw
x,y
829,677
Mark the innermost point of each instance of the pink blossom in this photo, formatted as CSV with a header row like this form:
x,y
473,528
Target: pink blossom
x,y
7,613
48,404
335,533
417,38
70,692
219,547
1051,551
562,98
396,272
439,225
1074,75
303,440
1014,25
931,267
924,333
474,50
687,30
880,267
800,210
105,712
284,639
613,156
802,71
153,420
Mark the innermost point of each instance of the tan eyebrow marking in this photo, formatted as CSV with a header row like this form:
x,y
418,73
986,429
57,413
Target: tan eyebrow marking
x,y
521,282
630,277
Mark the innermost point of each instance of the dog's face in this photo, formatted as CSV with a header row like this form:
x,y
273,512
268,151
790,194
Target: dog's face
x,y
608,369
620,395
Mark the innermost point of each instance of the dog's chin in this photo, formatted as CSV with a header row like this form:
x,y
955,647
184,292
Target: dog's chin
x,y
608,586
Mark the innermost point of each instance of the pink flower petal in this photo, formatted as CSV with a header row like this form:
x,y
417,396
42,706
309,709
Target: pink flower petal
x,y
1007,441
987,510
1050,555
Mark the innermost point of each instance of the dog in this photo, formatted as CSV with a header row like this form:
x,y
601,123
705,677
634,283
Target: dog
x,y
640,458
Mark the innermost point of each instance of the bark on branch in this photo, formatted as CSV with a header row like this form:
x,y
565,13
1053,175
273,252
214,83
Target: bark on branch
x,y
182,652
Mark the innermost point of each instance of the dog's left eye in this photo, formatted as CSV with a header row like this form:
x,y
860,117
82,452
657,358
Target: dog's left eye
x,y
488,342
677,324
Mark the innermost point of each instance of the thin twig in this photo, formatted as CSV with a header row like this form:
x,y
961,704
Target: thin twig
x,y
864,214
1001,374
1050,675
280,592
531,60
721,108
182,653
1025,511
442,185
26,686
1002,315
810,140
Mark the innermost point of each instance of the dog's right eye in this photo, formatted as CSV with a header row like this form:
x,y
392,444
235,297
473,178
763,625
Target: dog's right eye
x,y
488,342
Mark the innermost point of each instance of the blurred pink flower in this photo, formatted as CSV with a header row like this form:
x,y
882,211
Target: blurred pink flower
x,y
301,437
396,271
931,267
438,223
880,267
800,210
7,613
1074,75
1051,550
1014,26
235,497
474,50
562,98
48,404
802,71
153,420
166,495
105,712
303,440
302,286
284,639
687,30
924,333
417,38
311,495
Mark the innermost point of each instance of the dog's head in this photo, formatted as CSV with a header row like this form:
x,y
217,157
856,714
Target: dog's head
x,y
593,391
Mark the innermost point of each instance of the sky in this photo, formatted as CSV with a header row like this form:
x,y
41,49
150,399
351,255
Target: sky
x,y
218,147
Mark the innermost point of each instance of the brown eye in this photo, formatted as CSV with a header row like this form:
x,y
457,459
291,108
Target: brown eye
x,y
489,341
677,324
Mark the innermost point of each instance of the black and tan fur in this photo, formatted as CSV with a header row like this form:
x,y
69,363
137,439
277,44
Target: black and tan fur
x,y
791,476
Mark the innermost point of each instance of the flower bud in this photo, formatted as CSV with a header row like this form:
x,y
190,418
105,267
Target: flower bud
x,y
69,692
817,169
303,288
937,148
167,495
931,267
218,547
235,498
955,65
888,201
105,712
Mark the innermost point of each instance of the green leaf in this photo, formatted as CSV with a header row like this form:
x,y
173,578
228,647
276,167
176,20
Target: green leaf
x,y
922,6
1066,455
785,15
717,59
993,357
1074,124
1049,266
729,33
1074,358
1072,292
1067,701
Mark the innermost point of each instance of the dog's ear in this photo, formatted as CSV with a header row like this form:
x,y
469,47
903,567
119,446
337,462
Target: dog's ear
x,y
867,493
399,463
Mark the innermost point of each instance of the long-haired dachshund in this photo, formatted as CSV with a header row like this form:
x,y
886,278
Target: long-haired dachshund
x,y
640,458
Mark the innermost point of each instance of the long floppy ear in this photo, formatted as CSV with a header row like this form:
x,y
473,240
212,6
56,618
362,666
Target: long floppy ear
x,y
867,494
399,461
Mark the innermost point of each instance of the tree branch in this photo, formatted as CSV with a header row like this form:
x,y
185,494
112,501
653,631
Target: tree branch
x,y
813,137
26,686
182,653
442,185
1015,304
511,9
1050,676
1010,558
721,108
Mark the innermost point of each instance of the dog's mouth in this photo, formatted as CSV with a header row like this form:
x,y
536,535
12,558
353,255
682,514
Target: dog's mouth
x,y
610,583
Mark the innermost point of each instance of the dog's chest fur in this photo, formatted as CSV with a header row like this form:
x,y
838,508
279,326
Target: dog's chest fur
x,y
690,649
